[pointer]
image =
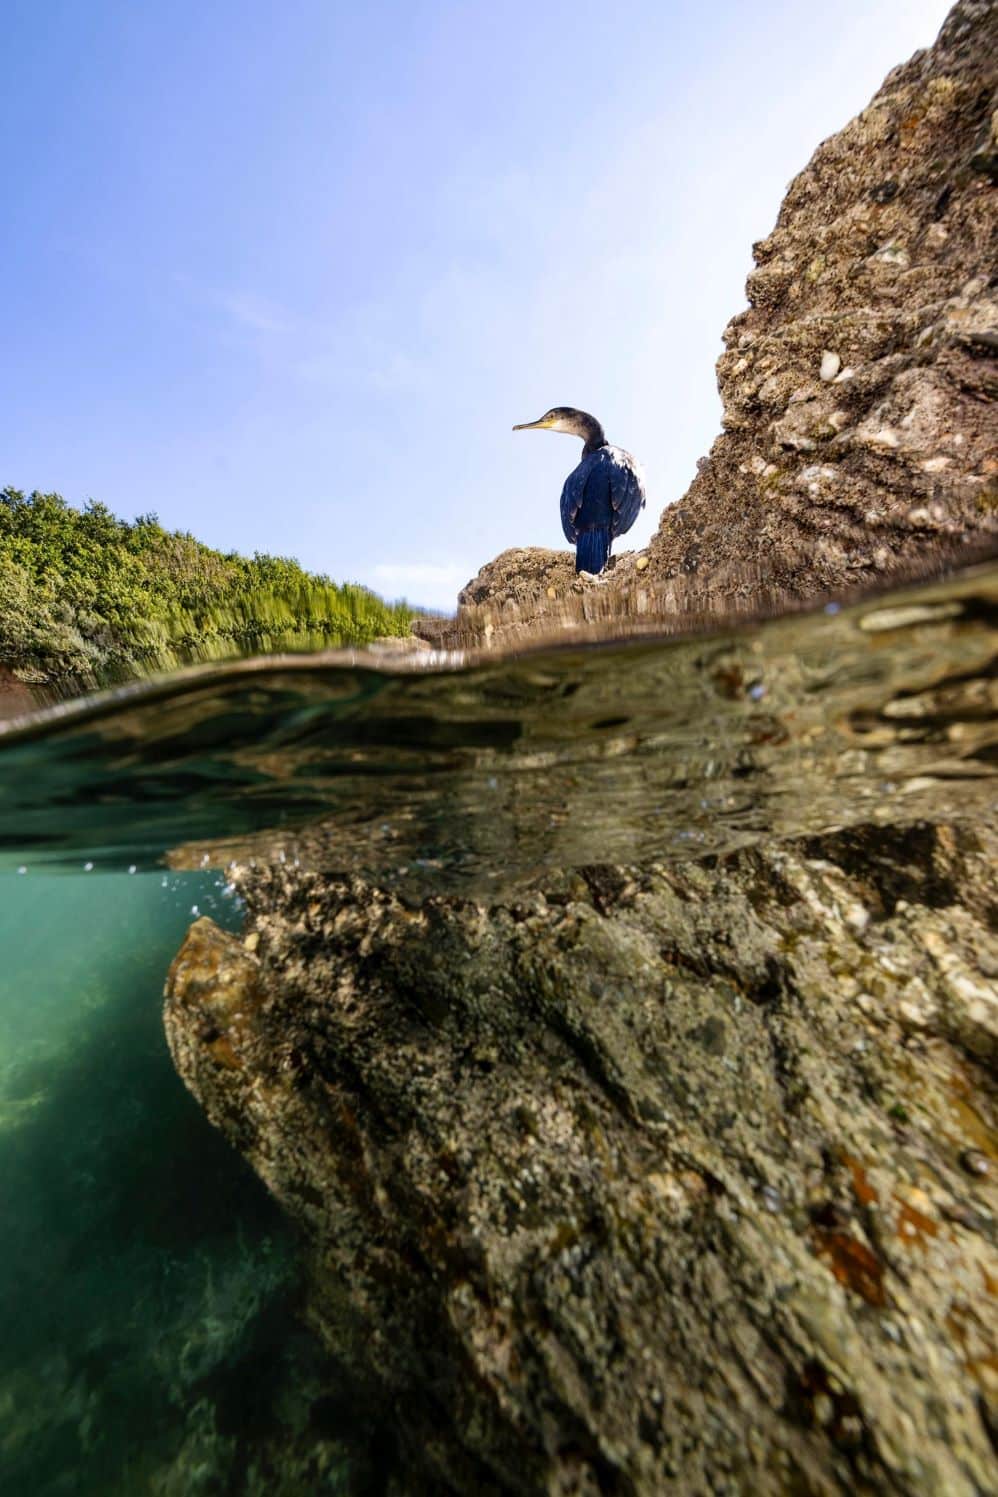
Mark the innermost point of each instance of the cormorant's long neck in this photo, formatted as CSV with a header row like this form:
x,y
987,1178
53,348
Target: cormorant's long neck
x,y
592,434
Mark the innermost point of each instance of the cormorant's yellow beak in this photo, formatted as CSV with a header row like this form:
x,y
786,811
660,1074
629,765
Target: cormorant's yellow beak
x,y
540,425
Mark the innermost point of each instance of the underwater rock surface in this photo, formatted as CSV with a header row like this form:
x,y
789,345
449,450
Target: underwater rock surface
x,y
650,1179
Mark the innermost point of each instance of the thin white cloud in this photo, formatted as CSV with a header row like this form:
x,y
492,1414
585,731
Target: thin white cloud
x,y
256,312
424,573
260,314
425,583
352,363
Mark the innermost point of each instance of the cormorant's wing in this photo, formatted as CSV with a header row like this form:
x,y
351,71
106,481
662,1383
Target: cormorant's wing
x,y
627,491
605,489
572,497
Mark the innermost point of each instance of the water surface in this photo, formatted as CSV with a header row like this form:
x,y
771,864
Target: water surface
x,y
442,775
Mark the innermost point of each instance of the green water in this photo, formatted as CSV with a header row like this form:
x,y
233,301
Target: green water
x,y
147,1299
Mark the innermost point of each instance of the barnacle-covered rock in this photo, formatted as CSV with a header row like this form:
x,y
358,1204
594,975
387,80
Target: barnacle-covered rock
x,y
881,263
644,1179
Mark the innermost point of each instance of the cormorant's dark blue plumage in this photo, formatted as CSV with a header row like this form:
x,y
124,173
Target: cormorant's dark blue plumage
x,y
602,496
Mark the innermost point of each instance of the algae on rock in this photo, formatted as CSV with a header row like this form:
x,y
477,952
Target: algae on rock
x,y
650,1179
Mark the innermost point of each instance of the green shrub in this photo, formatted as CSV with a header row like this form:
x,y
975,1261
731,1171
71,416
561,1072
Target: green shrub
x,y
84,594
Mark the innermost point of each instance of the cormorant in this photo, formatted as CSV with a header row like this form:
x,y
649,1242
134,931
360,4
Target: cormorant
x,y
602,496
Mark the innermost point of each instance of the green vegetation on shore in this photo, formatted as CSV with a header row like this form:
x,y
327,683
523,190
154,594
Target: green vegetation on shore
x,y
84,594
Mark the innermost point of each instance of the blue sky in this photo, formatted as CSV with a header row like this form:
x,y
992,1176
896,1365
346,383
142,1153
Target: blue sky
x,y
287,274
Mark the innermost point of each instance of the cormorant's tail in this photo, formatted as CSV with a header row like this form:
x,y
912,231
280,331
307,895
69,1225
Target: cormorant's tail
x,y
592,549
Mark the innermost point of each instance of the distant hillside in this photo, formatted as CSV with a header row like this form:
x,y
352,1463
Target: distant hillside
x,y
84,594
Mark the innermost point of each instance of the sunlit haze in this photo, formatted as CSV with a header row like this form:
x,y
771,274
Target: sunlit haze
x,y
288,274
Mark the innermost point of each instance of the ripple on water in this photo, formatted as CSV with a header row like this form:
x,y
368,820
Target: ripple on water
x,y
467,777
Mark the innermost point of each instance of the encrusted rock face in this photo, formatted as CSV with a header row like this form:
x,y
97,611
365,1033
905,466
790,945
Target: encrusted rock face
x,y
529,586
529,594
859,387
650,1180
860,428
518,576
683,1179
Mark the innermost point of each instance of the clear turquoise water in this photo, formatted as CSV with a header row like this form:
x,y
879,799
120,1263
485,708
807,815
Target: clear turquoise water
x,y
148,1284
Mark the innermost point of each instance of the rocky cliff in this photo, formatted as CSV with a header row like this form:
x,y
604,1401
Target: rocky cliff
x,y
681,1177
860,433
859,386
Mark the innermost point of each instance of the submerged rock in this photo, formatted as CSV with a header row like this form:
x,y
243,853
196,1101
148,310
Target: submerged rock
x,y
648,1179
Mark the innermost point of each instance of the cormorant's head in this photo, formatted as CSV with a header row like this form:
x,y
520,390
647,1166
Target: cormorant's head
x,y
564,418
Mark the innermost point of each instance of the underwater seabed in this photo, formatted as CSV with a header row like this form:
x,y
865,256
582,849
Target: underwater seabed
x,y
147,1299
